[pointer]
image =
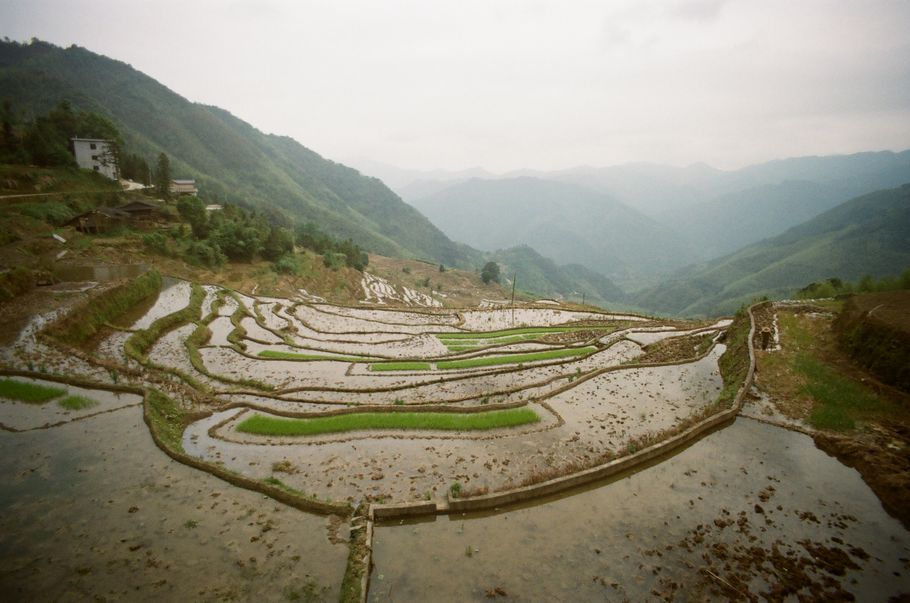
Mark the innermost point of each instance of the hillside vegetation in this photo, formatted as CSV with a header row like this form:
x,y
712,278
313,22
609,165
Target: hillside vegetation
x,y
542,276
229,158
864,236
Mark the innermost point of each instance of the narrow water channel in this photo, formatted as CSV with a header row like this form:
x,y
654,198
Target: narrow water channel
x,y
730,516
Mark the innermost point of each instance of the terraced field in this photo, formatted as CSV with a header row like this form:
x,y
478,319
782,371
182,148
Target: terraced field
x,y
345,404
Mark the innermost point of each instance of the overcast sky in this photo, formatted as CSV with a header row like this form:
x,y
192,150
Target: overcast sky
x,y
508,85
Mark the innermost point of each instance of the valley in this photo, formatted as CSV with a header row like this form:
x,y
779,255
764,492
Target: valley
x,y
232,369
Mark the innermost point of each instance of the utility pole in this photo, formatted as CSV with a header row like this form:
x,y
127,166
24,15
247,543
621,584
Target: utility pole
x,y
514,276
582,298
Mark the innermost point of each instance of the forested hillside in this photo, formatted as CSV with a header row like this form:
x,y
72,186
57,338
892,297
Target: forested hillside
x,y
542,276
231,160
867,235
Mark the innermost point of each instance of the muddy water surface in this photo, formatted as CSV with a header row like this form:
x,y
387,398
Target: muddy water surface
x,y
680,530
92,510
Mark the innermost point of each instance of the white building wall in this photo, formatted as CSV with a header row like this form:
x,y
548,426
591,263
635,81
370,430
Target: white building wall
x,y
100,159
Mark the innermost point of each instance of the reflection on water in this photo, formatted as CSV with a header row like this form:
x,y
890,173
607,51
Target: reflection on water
x,y
99,272
92,510
753,506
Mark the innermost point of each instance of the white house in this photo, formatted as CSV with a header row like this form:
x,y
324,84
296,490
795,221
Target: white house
x,y
183,187
96,154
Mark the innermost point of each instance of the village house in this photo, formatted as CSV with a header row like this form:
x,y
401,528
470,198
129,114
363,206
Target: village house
x,y
183,187
96,154
100,220
138,212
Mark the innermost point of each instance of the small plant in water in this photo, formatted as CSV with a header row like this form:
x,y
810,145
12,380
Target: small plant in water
x,y
189,524
284,466
455,489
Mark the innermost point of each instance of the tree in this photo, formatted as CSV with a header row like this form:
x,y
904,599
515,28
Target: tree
x,y
163,176
490,272
193,211
279,242
239,242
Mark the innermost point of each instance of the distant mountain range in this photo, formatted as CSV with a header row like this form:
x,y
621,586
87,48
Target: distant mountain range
x,y
568,223
639,224
533,272
866,235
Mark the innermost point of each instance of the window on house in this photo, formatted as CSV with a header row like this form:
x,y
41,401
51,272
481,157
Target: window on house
x,y
92,146
94,158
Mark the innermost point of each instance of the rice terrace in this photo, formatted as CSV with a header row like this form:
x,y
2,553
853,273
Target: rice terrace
x,y
454,302
374,413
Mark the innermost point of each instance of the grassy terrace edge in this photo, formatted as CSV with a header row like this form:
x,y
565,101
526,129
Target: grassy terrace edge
x,y
484,360
259,424
83,322
515,358
519,331
280,355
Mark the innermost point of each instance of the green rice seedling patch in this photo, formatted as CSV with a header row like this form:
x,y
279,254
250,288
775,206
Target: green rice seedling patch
x,y
280,355
515,358
77,403
279,426
400,366
29,392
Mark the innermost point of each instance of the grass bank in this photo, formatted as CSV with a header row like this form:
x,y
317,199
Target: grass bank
x,y
278,426
838,400
140,342
87,319
734,362
166,419
811,378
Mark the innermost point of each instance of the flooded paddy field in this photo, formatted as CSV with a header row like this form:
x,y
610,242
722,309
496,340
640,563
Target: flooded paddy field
x,y
92,510
229,385
751,511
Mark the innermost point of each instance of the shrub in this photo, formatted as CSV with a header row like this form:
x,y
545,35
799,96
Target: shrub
x,y
53,212
15,282
158,243
204,253
334,260
287,264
